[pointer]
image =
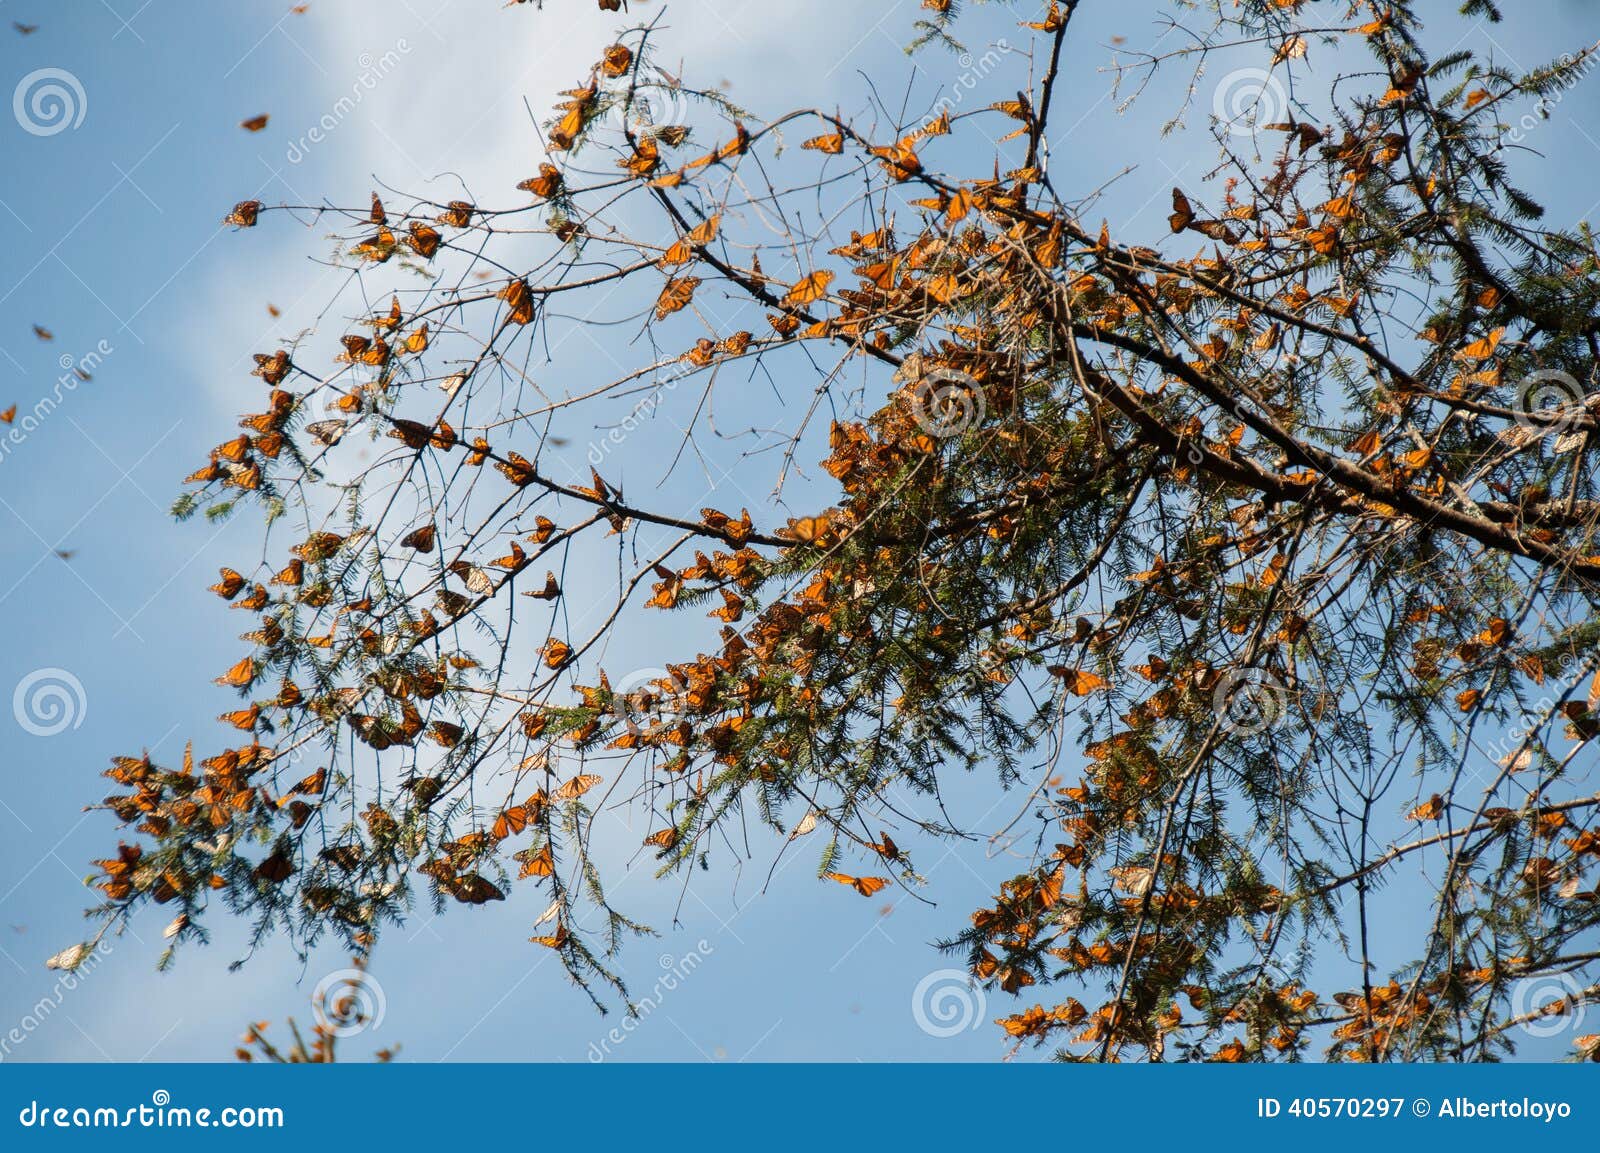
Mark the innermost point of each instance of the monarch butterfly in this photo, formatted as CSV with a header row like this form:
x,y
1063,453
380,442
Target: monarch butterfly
x,y
424,240
540,863
419,539
1430,810
236,450
457,214
473,577
318,546
378,247
243,719
244,214
646,158
578,786
698,237
273,368
732,609
230,584
255,123
410,722
374,731
1135,879
808,529
1078,682
550,592
517,468
363,350
327,432
313,785
446,734
866,886
519,302
666,589
809,290
239,675
618,59
1482,349
1182,212
387,321
678,253
510,822
472,889
544,185
556,940
276,868
676,295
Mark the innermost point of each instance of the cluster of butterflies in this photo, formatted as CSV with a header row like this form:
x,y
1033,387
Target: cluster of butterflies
x,y
885,270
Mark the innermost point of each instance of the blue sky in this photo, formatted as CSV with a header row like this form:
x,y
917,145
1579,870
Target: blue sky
x,y
113,242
